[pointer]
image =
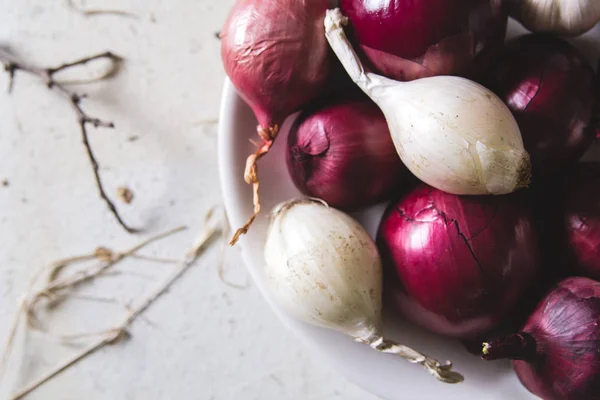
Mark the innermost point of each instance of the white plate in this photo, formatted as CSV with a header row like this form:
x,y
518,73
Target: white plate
x,y
384,375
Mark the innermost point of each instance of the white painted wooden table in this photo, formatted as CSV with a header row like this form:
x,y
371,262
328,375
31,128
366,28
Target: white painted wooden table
x,y
204,340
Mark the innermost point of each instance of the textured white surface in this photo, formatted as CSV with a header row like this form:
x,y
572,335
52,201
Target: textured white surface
x,y
204,340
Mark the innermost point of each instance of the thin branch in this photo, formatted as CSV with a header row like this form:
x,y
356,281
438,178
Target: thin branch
x,y
21,309
119,332
11,335
98,299
158,260
92,13
13,64
223,256
57,287
206,121
86,352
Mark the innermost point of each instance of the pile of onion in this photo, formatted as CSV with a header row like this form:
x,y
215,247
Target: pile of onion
x,y
450,132
556,351
278,59
341,151
463,262
406,40
551,90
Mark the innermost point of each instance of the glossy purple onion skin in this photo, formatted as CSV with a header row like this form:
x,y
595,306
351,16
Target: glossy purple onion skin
x,y
551,90
462,262
341,151
566,330
582,220
567,218
410,39
276,55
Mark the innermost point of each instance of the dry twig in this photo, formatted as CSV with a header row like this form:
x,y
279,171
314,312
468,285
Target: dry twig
x,y
56,287
13,64
223,255
119,332
93,12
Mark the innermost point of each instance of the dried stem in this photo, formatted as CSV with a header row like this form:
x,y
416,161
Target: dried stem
x,y
57,287
93,13
268,136
13,64
119,332
442,372
60,368
7,350
11,335
223,256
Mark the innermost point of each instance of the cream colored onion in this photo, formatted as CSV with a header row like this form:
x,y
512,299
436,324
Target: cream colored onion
x,y
452,133
561,17
324,269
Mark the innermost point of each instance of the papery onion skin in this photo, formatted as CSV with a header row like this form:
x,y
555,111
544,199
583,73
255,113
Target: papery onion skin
x,y
406,39
551,90
463,262
341,151
556,351
275,54
277,58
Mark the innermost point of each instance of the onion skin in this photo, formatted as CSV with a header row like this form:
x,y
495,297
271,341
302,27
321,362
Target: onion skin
x,y
463,262
582,220
341,151
551,90
278,59
567,18
275,54
556,352
406,39
567,217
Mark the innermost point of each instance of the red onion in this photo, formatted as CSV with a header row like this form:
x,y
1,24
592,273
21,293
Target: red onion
x,y
407,39
550,88
567,218
557,350
582,219
277,57
342,152
463,261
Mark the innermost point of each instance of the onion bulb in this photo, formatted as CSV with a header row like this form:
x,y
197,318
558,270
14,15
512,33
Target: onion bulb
x,y
324,269
450,132
276,56
560,17
463,262
551,90
556,352
341,152
582,220
406,40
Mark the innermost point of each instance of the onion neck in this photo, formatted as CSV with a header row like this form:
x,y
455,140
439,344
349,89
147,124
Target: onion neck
x,y
516,346
370,83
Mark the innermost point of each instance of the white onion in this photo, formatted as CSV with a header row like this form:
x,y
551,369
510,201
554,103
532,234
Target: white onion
x,y
323,268
561,17
452,133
